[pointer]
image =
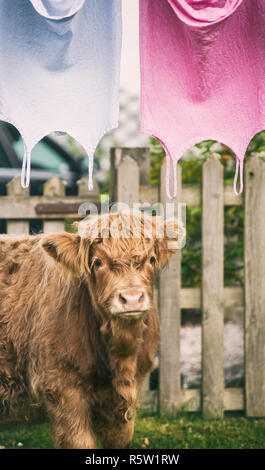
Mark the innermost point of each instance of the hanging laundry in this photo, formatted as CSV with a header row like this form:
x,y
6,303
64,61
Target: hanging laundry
x,y
57,9
60,63
202,74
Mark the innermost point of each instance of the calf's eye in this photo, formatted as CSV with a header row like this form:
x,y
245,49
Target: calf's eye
x,y
98,262
152,260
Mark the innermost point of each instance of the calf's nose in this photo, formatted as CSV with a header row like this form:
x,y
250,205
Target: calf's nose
x,y
131,299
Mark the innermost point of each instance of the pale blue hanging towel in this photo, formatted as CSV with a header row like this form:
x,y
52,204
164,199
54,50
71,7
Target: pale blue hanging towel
x,y
60,70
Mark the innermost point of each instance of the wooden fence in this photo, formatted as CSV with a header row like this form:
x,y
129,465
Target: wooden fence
x,y
130,183
53,208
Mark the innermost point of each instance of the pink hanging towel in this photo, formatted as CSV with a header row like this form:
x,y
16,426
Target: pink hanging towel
x,y
202,74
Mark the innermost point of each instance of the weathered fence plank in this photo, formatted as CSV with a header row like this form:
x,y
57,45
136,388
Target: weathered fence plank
x,y
212,288
128,181
53,188
233,399
17,228
141,155
170,396
192,194
26,209
83,191
191,399
22,208
14,188
190,297
255,287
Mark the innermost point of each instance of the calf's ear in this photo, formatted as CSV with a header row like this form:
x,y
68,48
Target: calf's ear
x,y
170,241
63,248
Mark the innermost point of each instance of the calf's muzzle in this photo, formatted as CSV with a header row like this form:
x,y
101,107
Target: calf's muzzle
x,y
130,303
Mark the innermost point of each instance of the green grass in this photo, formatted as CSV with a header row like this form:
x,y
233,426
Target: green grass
x,y
187,431
190,431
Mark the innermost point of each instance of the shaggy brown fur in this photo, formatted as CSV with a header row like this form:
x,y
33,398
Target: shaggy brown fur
x,y
59,344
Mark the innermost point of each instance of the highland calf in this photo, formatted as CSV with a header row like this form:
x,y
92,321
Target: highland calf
x,y
78,326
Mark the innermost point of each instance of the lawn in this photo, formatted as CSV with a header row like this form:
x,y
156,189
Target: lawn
x,y
187,431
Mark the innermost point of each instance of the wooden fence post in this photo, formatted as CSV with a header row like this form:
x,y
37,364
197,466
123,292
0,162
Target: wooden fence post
x,y
54,188
14,188
170,397
83,190
141,155
212,288
255,287
128,182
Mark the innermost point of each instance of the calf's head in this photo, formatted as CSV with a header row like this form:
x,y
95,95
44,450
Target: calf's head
x,y
117,256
